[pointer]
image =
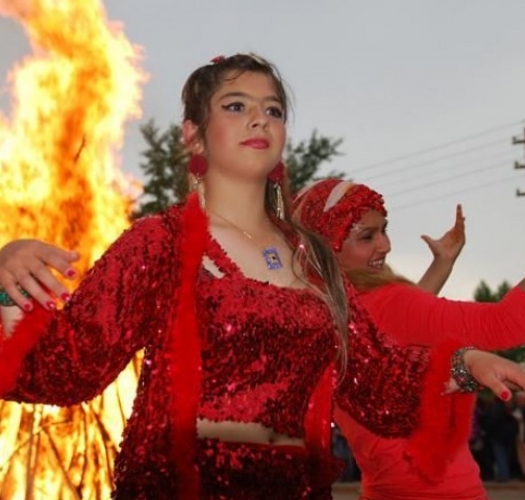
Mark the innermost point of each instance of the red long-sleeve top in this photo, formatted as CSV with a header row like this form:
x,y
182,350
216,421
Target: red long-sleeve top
x,y
413,316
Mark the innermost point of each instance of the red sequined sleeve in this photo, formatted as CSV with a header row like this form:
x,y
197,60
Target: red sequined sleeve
x,y
397,391
113,314
382,385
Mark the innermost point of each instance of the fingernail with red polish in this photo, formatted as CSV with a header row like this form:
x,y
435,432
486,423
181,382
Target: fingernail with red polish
x,y
28,307
505,395
51,305
65,297
70,273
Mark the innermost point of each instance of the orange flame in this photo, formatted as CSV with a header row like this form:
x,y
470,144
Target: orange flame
x,y
59,182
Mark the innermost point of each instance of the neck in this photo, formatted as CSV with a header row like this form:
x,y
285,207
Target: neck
x,y
240,203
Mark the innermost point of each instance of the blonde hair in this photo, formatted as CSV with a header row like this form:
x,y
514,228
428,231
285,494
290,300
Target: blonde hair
x,y
364,280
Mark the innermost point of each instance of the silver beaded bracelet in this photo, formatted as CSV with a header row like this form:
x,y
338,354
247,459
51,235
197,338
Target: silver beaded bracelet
x,y
7,301
465,381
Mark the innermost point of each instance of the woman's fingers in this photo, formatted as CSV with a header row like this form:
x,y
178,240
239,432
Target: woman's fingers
x,y
26,265
498,374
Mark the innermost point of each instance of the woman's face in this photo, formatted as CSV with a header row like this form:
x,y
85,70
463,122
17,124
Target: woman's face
x,y
367,245
246,133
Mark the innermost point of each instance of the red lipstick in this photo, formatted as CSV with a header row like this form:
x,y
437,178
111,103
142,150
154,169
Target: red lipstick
x,y
257,143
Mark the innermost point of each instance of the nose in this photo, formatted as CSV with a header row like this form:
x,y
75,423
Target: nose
x,y
383,244
258,117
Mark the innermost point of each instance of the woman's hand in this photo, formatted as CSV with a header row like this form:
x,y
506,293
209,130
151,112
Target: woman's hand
x,y
449,246
498,374
445,250
27,264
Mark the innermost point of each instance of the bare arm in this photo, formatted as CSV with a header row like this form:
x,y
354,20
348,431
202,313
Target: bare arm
x,y
445,251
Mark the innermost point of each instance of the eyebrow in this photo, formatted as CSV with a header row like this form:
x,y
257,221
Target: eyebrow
x,y
229,95
360,227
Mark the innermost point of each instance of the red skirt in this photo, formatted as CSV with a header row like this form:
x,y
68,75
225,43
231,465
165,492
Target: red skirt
x,y
250,471
237,471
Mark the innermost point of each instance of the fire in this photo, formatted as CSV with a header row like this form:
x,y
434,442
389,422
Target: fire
x,y
59,182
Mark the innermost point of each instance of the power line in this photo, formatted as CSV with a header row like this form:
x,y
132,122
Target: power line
x,y
433,160
448,179
441,170
372,166
456,193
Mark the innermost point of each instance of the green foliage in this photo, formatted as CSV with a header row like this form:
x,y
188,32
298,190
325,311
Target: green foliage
x,y
304,160
164,167
484,293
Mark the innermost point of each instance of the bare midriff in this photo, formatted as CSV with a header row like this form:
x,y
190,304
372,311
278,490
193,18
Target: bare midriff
x,y
244,433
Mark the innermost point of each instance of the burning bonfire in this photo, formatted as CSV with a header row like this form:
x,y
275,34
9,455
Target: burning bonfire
x,y
59,182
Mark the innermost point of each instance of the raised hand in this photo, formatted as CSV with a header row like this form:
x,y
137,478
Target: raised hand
x,y
445,250
449,246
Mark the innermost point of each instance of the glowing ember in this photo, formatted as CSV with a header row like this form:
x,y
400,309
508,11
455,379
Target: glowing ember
x,y
59,182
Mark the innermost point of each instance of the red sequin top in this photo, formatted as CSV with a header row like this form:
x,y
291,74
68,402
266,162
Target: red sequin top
x,y
264,350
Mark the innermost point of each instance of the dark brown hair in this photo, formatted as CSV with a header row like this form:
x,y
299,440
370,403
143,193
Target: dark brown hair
x,y
206,80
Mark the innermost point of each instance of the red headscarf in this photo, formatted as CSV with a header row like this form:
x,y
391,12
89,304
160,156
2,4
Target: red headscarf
x,y
330,207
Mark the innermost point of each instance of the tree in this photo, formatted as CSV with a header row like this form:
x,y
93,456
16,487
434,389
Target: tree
x,y
304,160
164,169
484,293
165,165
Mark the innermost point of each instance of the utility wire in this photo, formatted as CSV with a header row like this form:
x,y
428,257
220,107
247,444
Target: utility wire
x,y
371,166
441,170
448,179
456,193
391,171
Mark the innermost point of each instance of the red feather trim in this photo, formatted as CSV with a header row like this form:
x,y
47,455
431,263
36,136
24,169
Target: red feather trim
x,y
185,348
318,429
445,420
13,349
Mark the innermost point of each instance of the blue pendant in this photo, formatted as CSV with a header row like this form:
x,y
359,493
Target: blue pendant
x,y
271,256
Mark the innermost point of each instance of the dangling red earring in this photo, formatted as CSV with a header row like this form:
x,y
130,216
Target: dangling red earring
x,y
197,165
277,173
276,177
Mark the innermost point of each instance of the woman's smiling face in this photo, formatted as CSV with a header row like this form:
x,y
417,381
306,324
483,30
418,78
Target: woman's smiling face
x,y
367,245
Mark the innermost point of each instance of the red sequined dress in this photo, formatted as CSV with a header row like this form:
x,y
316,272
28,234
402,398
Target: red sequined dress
x,y
265,355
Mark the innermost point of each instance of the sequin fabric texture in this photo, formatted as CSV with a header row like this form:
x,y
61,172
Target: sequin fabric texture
x,y
335,222
265,349
381,388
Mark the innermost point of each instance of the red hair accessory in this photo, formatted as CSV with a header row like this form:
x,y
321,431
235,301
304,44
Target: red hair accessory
x,y
197,165
277,173
331,207
217,59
